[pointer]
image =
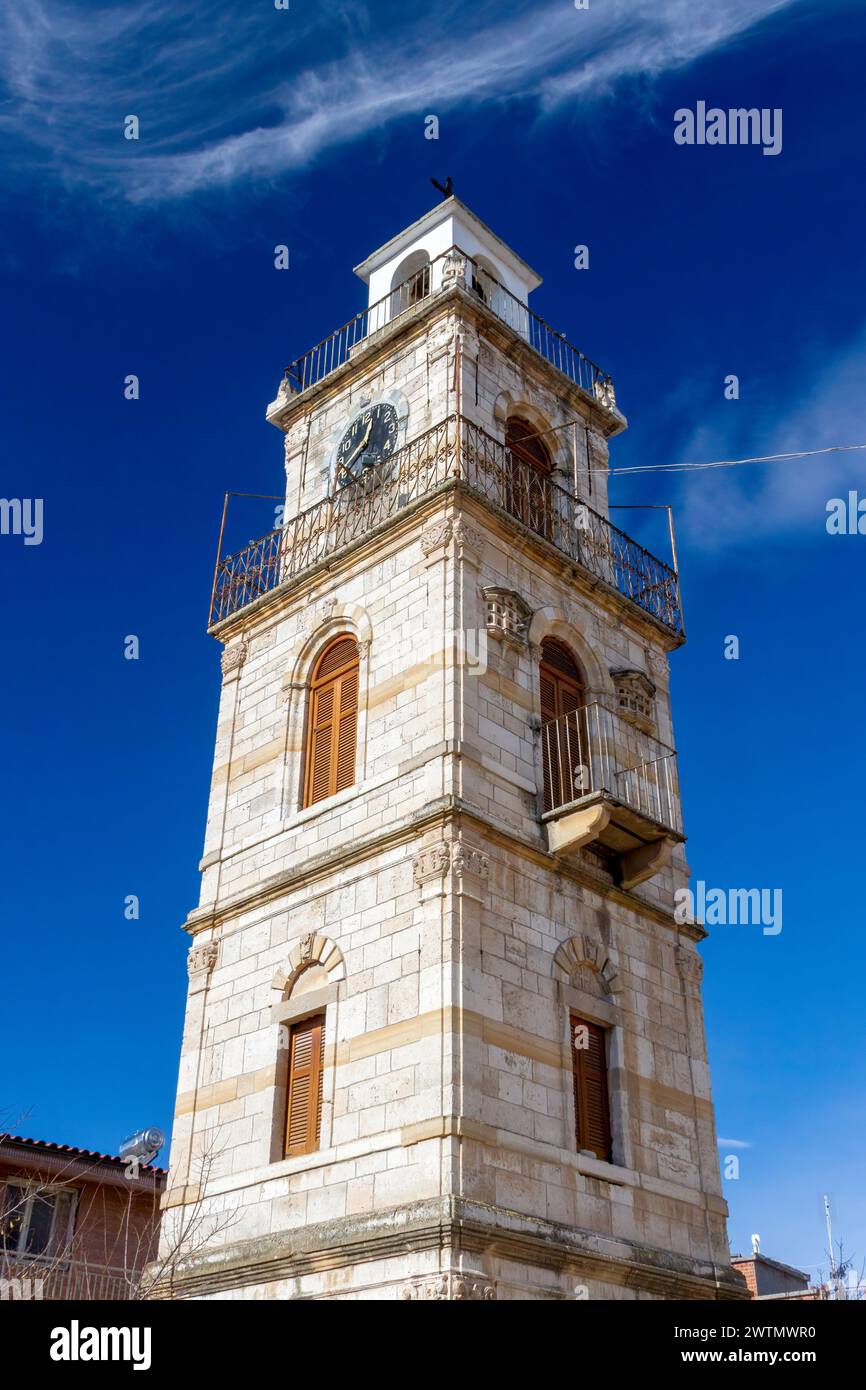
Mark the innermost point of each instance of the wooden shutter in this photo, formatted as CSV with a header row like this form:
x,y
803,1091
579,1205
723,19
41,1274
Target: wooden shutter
x,y
306,1074
529,494
332,732
562,693
591,1103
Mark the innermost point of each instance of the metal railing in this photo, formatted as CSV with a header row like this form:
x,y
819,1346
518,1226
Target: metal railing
x,y
454,451
595,750
450,268
26,1280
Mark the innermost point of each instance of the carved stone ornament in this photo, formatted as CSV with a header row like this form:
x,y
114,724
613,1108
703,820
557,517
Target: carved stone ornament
x,y
467,537
635,698
660,664
690,965
604,393
451,1285
586,951
437,860
200,962
316,616
454,270
233,658
507,615
441,533
436,537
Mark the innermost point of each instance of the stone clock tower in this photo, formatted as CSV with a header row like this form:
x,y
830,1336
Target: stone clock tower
x,y
444,1035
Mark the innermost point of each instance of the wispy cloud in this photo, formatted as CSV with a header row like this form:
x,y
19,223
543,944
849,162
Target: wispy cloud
x,y
732,507
734,1143
225,96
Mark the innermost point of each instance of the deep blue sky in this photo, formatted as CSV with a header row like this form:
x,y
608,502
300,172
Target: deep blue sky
x,y
261,127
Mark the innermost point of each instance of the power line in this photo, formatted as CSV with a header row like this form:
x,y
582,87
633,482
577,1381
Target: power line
x,y
730,463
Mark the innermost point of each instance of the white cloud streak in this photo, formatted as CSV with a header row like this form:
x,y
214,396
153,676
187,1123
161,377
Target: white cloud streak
x,y
217,106
734,507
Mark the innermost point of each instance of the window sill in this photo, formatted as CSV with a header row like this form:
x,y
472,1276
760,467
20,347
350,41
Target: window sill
x,y
328,803
608,1172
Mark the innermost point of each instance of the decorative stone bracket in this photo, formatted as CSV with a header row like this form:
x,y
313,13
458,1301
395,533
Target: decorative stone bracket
x,y
635,698
200,963
456,1285
233,659
507,615
436,538
467,866
690,966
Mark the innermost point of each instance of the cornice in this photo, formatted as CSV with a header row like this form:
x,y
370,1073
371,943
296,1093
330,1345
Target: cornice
x,y
457,1226
448,811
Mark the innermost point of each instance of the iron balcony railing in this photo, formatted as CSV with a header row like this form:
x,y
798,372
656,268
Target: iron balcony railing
x,y
28,1280
450,268
454,452
592,750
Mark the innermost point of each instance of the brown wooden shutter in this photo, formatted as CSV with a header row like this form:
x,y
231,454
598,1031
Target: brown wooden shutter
x,y
306,1075
332,733
564,747
591,1103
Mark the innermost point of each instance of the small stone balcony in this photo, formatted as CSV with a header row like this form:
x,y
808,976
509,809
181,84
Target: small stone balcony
x,y
608,782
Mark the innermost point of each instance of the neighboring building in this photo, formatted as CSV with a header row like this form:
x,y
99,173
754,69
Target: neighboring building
x,y
766,1278
444,1035
73,1224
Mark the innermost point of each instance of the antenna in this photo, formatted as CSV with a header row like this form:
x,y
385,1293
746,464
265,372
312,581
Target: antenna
x,y
829,1235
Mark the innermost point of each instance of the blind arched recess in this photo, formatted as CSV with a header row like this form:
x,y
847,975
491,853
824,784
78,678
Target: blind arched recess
x,y
332,731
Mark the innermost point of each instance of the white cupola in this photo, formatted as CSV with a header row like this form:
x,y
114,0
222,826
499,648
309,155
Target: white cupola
x,y
426,242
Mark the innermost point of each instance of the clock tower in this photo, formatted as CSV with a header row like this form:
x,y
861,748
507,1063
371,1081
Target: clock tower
x,y
444,1035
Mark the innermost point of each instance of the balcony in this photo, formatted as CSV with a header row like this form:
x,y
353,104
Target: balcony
x,y
452,269
58,1280
453,454
608,782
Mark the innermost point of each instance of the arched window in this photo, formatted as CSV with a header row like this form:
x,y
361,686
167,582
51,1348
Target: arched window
x,y
566,756
529,494
410,282
332,729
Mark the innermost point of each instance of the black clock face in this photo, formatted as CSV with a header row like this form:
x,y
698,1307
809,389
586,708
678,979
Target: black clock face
x,y
369,440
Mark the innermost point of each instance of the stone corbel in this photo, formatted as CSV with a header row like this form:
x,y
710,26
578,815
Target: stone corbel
x,y
232,660
464,867
200,963
638,865
690,966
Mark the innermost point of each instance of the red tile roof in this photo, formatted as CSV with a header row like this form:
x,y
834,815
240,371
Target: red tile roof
x,y
46,1146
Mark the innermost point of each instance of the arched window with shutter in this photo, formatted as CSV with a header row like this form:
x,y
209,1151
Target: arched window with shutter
x,y
529,494
564,736
332,730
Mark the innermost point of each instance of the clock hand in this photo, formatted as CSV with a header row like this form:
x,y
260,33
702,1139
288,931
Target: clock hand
x,y
358,447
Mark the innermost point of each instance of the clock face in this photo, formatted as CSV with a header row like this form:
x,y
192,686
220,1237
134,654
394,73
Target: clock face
x,y
369,440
